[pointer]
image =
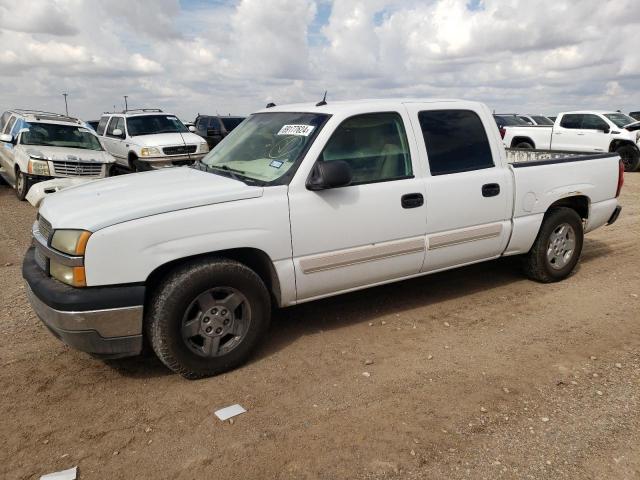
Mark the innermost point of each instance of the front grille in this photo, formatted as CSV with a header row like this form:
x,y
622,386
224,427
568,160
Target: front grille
x,y
79,169
44,227
41,260
180,149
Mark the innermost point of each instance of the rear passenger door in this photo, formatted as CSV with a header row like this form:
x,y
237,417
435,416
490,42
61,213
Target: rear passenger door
x,y
569,134
468,195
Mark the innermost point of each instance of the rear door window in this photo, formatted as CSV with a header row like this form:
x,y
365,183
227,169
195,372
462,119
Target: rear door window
x,y
374,145
571,120
456,141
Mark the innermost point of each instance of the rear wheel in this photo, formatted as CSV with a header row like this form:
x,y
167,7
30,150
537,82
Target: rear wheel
x,y
524,144
630,157
23,184
557,247
206,317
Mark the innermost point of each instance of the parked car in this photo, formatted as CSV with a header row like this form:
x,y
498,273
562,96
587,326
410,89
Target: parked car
x,y
301,202
635,115
39,146
214,128
585,131
149,138
552,117
508,120
536,119
93,124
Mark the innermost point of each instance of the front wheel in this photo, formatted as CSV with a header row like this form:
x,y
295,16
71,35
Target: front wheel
x,y
22,185
630,157
206,317
557,247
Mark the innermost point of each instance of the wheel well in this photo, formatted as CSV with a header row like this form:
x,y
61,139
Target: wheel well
x,y
131,158
615,144
517,140
579,203
255,259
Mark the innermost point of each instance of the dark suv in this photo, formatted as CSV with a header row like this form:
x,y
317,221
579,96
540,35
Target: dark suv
x,y
214,128
635,115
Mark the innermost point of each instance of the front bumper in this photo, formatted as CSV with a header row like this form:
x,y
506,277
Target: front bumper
x,y
171,161
103,321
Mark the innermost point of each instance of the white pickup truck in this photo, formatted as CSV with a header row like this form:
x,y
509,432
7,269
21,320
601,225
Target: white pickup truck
x,y
298,203
587,131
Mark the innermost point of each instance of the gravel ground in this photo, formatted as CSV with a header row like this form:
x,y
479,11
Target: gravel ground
x,y
474,373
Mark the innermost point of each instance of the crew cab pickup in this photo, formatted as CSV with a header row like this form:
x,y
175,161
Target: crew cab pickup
x,y
298,203
586,131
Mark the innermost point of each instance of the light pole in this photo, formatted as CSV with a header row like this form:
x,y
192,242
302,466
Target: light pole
x,y
126,107
66,108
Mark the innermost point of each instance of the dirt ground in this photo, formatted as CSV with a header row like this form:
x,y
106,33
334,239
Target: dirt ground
x,y
476,373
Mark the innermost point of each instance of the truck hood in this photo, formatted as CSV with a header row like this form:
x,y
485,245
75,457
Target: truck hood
x,y
68,154
113,200
168,139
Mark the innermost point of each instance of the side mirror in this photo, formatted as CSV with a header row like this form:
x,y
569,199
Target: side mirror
x,y
6,138
118,133
606,129
192,128
333,174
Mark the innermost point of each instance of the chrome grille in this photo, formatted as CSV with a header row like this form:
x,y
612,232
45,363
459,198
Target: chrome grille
x,y
79,169
44,227
41,260
180,149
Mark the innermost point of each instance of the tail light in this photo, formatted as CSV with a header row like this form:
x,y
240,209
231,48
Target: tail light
x,y
502,132
620,178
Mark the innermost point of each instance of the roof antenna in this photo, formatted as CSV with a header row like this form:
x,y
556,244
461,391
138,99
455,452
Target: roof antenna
x,y
271,105
323,101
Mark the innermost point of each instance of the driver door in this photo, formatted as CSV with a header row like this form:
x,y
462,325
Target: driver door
x,y
370,231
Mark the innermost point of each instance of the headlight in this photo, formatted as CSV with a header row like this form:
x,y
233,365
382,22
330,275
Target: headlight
x,y
73,276
150,151
38,167
203,148
71,242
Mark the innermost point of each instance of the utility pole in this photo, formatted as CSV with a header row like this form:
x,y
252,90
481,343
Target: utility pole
x,y
126,107
66,108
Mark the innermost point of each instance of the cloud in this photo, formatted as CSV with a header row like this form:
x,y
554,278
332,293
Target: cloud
x,y
234,56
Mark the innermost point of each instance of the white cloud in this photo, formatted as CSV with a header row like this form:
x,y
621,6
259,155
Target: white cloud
x,y
233,57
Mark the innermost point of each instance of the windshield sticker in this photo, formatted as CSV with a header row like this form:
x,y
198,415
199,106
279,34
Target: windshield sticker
x,y
303,130
276,163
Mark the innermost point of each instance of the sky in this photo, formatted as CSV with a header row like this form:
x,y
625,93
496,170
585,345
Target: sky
x,y
233,57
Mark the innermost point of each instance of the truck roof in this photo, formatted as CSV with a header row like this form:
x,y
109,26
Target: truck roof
x,y
334,107
598,112
35,116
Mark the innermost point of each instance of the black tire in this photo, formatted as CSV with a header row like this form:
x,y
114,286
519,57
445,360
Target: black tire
x,y
22,185
524,144
630,157
175,298
537,264
135,165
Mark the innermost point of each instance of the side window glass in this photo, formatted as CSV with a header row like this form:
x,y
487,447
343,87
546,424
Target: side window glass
x,y
113,124
3,120
456,141
374,145
10,124
593,122
102,124
17,126
120,124
214,123
571,120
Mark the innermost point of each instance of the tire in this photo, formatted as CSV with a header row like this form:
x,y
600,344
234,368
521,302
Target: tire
x,y
524,144
23,184
551,258
135,165
202,296
630,157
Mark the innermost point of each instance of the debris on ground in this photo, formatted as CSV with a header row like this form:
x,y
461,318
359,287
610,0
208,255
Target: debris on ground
x,y
228,412
69,474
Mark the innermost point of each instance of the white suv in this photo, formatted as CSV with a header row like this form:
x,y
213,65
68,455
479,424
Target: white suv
x,y
149,138
37,146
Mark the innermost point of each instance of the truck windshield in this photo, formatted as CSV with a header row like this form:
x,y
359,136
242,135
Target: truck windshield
x,y
266,146
53,135
620,119
152,124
